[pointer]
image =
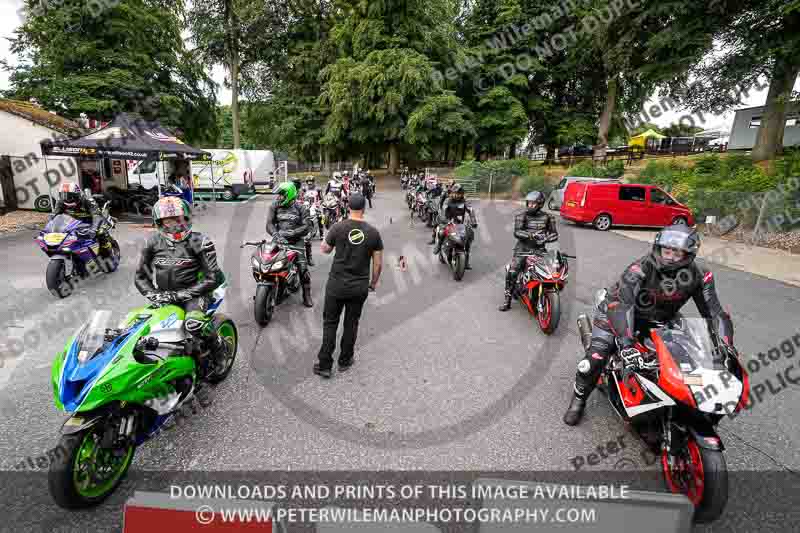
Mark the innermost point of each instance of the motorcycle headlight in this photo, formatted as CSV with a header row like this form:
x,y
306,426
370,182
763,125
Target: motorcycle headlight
x,y
277,265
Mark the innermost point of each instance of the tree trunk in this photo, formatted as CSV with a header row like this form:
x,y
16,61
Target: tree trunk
x,y
233,52
550,157
327,159
769,140
463,150
605,119
512,152
394,158
447,152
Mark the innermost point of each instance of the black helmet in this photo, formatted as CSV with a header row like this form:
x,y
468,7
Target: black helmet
x,y
457,192
534,202
309,180
298,183
676,237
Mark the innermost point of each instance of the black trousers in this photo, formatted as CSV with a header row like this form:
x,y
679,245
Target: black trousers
x,y
335,302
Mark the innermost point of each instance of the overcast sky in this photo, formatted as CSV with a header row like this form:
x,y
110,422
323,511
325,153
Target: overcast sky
x,y
10,19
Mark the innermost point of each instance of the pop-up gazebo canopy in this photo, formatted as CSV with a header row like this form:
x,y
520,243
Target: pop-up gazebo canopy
x,y
641,139
127,137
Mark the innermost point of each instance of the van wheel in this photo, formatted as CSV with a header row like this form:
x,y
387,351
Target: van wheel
x,y
602,222
680,220
228,195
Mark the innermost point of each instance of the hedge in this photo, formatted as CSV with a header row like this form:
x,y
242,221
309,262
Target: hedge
x,y
731,185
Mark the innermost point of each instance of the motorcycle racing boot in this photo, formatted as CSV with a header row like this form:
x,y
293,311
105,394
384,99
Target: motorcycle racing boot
x,y
307,295
575,410
308,253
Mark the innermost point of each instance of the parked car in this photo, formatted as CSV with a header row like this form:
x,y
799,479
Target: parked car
x,y
557,196
575,150
617,204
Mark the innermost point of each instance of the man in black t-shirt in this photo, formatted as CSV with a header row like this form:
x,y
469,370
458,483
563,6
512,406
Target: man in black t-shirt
x,y
358,246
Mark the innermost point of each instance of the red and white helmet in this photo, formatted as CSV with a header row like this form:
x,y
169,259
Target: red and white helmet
x,y
70,194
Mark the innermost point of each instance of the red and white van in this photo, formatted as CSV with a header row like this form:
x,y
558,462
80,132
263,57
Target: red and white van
x,y
620,204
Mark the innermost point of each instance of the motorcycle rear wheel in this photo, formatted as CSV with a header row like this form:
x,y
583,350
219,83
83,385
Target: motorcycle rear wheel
x,y
264,305
702,476
70,485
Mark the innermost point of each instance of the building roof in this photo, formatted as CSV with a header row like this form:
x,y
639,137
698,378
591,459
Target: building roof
x,y
40,116
790,105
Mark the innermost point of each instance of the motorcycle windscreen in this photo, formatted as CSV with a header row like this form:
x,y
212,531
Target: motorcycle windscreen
x,y
700,364
690,344
91,341
61,224
86,359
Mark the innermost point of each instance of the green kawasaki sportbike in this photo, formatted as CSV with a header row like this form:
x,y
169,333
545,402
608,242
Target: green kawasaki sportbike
x,y
120,385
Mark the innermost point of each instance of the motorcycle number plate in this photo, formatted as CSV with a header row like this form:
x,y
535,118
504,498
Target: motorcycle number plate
x,y
74,421
693,380
54,239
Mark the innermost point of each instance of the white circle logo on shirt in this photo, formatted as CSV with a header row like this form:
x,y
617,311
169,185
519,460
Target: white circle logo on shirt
x,y
356,236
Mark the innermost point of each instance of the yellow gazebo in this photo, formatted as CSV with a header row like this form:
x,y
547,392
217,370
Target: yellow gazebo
x,y
641,139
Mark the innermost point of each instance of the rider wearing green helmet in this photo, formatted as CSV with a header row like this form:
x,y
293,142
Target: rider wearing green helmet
x,y
289,220
183,264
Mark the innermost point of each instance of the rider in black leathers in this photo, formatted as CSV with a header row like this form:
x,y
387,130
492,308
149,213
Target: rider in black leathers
x,y
298,185
455,207
79,205
183,264
653,288
533,229
291,221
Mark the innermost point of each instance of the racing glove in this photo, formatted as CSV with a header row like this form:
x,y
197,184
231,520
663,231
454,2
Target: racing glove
x,y
158,298
182,296
630,356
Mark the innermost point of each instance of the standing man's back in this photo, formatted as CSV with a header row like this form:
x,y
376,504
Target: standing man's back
x,y
359,248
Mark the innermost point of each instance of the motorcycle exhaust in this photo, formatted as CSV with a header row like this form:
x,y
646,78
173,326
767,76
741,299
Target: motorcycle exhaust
x,y
585,330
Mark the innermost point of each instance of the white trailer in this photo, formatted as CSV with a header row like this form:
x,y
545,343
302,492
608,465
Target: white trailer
x,y
231,172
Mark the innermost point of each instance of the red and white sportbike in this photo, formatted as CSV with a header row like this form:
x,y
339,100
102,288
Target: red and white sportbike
x,y
683,381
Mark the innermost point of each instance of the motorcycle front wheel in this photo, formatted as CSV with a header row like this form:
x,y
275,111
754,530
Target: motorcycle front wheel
x,y
702,476
84,474
56,279
227,332
459,265
264,304
550,314
110,264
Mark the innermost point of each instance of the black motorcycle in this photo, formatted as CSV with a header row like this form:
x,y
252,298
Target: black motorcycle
x,y
431,210
331,208
453,251
276,274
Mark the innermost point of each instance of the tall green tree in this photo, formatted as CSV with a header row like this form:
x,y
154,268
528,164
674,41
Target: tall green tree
x,y
285,88
73,62
641,47
499,62
236,34
762,41
388,50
